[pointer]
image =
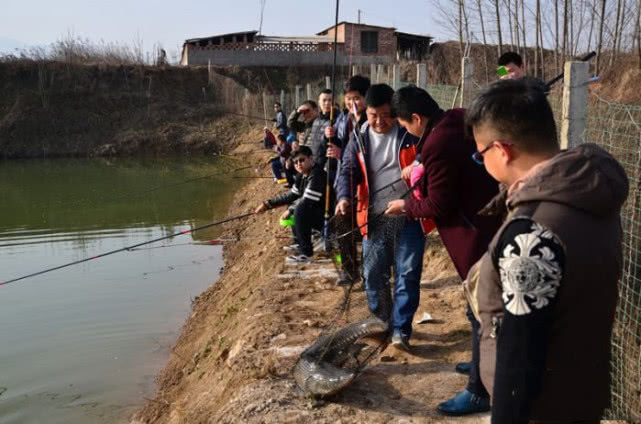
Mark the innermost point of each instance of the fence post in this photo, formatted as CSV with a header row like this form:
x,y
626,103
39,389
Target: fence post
x,y
297,91
396,76
372,73
246,101
328,82
421,75
467,72
575,104
309,92
379,74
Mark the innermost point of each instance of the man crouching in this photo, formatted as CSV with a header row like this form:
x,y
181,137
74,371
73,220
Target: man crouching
x,y
548,284
306,201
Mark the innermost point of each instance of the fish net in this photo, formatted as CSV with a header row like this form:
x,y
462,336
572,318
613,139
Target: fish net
x,y
360,326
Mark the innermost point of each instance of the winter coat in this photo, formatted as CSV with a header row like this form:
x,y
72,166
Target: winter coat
x,y
548,291
454,188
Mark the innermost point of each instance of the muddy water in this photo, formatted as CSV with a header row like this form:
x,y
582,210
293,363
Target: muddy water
x,y
83,344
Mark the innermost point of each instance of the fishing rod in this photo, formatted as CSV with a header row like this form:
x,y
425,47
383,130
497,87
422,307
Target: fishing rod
x,y
127,248
213,242
549,84
331,122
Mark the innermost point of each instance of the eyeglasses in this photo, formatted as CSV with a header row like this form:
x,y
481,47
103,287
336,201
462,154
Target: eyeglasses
x,y
478,156
298,161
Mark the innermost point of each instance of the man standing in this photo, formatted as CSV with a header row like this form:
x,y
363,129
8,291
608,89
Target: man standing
x,y
371,171
548,284
337,139
280,121
308,111
452,190
309,190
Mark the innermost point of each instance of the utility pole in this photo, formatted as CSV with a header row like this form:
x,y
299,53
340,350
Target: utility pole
x,y
359,16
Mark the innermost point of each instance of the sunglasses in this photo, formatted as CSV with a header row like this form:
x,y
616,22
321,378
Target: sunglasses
x,y
478,156
298,161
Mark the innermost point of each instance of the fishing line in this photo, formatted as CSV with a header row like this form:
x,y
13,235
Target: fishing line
x,y
127,248
156,188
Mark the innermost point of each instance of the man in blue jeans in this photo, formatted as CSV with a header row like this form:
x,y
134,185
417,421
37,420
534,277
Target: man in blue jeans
x,y
371,172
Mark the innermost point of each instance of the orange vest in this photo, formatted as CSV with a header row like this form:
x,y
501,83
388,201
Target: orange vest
x,y
406,156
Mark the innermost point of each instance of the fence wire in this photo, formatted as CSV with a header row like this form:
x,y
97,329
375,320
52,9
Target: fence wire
x,y
617,128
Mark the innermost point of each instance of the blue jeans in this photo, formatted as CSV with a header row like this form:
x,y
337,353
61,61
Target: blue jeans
x,y
397,243
277,169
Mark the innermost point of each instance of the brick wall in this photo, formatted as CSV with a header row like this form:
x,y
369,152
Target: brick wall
x,y
352,34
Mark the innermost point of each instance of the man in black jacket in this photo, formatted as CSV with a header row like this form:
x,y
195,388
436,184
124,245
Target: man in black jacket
x,y
306,201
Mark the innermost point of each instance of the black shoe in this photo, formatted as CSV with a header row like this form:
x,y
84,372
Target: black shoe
x,y
401,342
463,368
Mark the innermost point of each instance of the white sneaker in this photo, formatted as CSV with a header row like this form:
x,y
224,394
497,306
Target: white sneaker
x,y
291,248
299,259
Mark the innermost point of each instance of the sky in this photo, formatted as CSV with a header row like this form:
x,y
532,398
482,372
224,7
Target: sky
x,y
169,23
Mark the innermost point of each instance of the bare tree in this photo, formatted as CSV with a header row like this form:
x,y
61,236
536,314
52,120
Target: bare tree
x,y
565,30
600,42
638,31
523,31
616,34
480,10
556,35
498,26
537,20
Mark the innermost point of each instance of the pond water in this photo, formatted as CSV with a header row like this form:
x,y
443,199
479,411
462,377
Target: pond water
x,y
83,344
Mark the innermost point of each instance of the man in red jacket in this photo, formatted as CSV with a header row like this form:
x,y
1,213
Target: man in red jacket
x,y
453,189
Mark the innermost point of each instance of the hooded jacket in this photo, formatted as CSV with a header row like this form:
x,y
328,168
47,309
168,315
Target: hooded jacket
x,y
548,290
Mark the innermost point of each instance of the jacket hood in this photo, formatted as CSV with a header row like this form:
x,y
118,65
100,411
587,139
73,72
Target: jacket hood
x,y
586,178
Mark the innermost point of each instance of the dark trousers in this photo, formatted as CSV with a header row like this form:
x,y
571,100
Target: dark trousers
x,y
290,174
306,217
474,384
277,169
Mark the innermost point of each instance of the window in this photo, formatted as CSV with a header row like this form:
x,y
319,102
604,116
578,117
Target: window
x,y
369,41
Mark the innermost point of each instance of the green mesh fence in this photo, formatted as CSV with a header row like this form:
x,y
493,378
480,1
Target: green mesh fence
x,y
617,128
445,95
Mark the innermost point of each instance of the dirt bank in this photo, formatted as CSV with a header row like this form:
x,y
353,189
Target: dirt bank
x,y
52,109
233,360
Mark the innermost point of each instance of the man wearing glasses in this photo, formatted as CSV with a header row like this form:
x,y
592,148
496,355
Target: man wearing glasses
x,y
306,201
547,290
453,189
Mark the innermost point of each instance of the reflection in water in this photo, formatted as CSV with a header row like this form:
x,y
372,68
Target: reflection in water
x,y
83,344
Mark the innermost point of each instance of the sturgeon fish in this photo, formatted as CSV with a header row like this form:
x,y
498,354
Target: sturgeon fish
x,y
319,369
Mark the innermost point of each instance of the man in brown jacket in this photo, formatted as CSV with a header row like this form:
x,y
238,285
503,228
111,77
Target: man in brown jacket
x,y
548,283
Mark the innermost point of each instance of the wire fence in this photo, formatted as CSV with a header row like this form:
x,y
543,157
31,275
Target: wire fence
x,y
617,128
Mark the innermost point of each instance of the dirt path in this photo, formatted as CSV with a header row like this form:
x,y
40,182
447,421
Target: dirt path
x,y
233,360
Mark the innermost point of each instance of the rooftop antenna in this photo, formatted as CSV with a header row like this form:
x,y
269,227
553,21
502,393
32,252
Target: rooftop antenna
x,y
262,11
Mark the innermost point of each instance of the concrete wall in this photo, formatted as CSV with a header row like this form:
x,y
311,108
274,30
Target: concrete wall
x,y
252,58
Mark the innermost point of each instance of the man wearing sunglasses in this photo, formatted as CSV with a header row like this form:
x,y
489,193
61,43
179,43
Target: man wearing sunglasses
x,y
547,290
306,201
452,190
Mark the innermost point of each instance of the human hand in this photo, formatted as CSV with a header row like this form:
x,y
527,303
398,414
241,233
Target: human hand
x,y
262,208
286,214
329,132
302,109
395,208
407,171
333,151
342,207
